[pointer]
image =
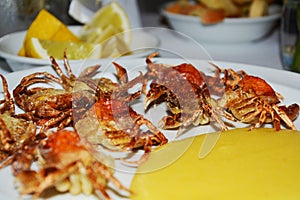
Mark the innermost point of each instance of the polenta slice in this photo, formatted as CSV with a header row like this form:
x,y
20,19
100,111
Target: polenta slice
x,y
258,164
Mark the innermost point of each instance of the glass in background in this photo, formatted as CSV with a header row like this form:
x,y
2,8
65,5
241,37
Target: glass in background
x,y
17,15
290,41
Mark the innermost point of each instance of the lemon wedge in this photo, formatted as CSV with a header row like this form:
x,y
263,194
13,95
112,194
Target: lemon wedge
x,y
47,27
38,48
107,21
115,47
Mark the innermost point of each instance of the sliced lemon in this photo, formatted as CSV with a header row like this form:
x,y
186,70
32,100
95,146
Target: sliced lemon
x,y
115,47
108,21
47,27
38,48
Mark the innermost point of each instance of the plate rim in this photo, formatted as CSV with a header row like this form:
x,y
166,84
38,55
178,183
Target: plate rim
x,y
74,28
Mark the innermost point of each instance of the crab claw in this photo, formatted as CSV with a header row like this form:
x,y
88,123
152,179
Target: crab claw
x,y
153,94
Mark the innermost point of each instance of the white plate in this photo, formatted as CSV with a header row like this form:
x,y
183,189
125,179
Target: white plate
x,y
143,43
231,30
284,82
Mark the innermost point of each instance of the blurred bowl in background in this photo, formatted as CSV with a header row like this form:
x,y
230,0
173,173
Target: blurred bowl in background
x,y
231,30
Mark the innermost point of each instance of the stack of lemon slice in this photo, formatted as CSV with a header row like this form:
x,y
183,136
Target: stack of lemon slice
x,y
108,21
110,27
105,35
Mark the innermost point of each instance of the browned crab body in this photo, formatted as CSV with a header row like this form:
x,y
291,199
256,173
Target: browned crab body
x,y
66,164
113,124
184,90
52,107
15,133
252,100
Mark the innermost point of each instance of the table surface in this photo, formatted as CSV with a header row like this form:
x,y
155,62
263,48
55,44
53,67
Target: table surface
x,y
264,52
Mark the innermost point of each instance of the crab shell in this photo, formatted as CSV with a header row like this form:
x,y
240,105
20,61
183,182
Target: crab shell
x,y
252,100
52,107
15,133
66,164
186,94
111,123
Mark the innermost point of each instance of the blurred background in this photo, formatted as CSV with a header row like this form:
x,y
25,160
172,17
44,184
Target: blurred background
x,y
18,14
152,6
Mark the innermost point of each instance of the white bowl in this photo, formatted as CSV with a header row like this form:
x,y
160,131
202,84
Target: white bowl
x,y
143,44
231,30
